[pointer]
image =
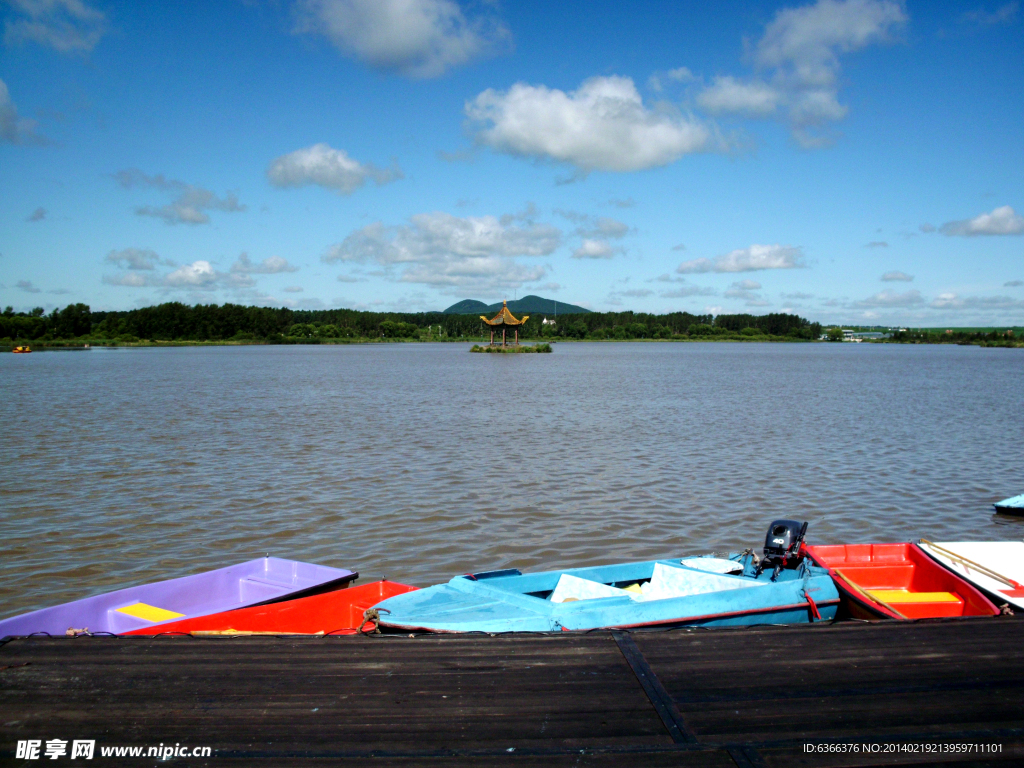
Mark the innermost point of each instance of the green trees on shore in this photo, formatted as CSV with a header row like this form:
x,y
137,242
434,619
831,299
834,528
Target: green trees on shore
x,y
176,322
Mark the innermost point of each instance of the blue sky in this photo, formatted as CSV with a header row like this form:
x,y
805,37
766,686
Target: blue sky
x,y
855,161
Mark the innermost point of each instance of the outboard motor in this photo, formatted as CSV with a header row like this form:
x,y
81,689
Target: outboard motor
x,y
782,546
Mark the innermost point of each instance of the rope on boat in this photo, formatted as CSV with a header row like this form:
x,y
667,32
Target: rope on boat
x,y
372,615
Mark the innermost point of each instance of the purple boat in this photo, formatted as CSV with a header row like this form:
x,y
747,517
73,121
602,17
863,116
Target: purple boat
x,y
266,580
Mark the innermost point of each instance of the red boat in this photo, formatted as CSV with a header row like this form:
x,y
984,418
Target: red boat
x,y
332,613
898,581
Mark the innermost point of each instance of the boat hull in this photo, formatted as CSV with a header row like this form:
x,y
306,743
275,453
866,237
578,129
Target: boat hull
x,y
332,613
256,582
1012,506
522,603
897,581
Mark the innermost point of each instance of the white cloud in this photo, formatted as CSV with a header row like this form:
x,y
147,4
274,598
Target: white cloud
x,y
13,128
747,290
68,26
418,38
135,259
326,167
1005,14
897,276
131,280
451,252
603,125
890,299
953,301
190,205
272,265
752,259
293,289
1013,284
727,94
688,290
877,244
1001,221
26,285
37,215
800,54
595,249
197,274
927,228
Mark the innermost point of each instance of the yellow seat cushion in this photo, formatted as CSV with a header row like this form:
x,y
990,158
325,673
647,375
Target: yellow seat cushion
x,y
903,596
149,612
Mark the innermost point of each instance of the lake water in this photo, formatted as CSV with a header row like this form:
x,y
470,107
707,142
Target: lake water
x,y
422,461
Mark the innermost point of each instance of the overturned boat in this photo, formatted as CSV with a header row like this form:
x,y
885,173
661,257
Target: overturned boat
x,y
783,588
266,580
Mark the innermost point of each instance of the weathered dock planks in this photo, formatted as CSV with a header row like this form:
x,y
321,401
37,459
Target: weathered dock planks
x,y
744,697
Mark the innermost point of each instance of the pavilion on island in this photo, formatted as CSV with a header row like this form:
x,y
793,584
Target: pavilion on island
x,y
504,320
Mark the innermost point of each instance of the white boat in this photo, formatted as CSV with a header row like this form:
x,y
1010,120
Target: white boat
x,y
995,567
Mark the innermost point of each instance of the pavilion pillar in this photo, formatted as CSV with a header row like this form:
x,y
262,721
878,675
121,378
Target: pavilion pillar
x,y
503,335
517,337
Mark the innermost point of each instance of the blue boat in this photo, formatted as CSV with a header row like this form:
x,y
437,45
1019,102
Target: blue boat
x,y
1011,506
690,591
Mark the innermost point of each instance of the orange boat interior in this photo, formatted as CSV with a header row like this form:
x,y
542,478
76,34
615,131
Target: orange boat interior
x,y
900,581
338,613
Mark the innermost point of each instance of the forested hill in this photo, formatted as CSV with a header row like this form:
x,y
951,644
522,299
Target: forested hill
x,y
210,322
526,305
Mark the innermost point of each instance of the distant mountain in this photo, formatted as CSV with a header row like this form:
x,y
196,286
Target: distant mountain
x,y
526,305
467,307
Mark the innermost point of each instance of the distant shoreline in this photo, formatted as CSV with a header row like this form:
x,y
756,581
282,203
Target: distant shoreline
x,y
76,345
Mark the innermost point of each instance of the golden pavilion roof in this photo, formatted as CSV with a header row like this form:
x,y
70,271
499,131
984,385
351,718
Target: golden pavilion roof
x,y
504,317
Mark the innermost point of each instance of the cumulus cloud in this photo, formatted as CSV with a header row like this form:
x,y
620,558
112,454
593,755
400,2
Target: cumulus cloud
x,y
595,249
603,125
727,94
13,128
136,259
1001,221
417,38
798,61
451,252
896,276
752,259
190,204
26,285
67,26
891,299
326,167
37,215
197,274
195,278
272,265
1013,284
747,290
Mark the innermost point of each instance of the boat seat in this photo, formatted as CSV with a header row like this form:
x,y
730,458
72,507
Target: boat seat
x,y
921,605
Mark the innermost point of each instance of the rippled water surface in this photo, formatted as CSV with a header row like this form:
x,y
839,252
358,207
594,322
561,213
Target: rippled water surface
x,y
422,461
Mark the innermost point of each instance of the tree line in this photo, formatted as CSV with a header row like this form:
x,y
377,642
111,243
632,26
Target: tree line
x,y
174,321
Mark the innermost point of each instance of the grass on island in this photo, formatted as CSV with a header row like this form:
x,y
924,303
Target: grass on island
x,y
542,347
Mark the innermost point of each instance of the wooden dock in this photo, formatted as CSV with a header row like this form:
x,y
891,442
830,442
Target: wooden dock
x,y
746,697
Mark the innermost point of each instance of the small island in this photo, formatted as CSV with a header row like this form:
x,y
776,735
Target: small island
x,y
505,320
